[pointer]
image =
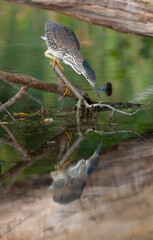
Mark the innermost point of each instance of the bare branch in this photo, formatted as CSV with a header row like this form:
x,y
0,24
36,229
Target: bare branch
x,y
16,144
117,110
4,108
14,99
26,80
75,93
26,93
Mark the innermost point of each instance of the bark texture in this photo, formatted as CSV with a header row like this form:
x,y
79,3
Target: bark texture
x,y
31,82
126,16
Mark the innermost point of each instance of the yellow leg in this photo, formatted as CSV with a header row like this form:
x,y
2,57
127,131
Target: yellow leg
x,y
65,165
69,135
58,167
67,91
54,60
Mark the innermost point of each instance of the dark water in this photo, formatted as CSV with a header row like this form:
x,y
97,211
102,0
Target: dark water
x,y
60,183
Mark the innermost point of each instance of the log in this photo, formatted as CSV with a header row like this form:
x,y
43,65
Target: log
x,y
126,16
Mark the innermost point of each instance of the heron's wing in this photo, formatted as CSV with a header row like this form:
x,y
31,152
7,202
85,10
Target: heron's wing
x,y
61,36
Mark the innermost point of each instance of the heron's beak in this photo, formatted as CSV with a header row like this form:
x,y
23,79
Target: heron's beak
x,y
94,86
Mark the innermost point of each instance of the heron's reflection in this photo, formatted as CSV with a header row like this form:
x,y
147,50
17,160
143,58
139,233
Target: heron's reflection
x,y
68,184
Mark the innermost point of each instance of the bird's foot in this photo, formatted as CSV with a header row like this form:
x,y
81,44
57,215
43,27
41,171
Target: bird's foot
x,y
67,92
60,168
69,135
55,61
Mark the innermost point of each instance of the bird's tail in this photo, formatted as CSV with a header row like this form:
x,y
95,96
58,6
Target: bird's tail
x,y
43,37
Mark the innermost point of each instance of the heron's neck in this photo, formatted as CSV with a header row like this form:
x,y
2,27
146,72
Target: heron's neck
x,y
74,59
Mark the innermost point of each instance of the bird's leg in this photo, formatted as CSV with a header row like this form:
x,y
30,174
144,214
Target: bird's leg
x,y
67,91
47,54
64,165
69,135
54,60
60,168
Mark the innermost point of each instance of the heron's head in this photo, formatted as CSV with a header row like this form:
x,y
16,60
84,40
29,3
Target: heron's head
x,y
89,74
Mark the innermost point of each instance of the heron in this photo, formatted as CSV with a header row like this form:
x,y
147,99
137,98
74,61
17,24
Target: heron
x,y
64,46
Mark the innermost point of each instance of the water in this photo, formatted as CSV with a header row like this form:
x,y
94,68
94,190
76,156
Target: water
x,y
71,183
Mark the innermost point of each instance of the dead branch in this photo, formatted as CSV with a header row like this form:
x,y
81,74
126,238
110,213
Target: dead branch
x,y
124,16
15,143
119,111
14,99
122,131
7,113
26,80
26,93
129,114
31,156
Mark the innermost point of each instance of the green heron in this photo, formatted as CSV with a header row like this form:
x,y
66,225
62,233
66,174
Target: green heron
x,y
69,183
63,45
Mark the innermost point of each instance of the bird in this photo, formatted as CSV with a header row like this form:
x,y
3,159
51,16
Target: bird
x,y
64,46
68,183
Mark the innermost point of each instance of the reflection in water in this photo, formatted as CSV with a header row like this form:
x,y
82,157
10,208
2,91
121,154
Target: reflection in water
x,y
107,89
68,183
145,94
111,197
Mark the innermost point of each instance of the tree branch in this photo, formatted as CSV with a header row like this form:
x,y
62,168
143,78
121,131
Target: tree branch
x,y
75,93
132,16
14,99
31,82
26,93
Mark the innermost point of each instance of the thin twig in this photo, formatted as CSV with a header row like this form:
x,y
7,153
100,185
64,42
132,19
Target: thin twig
x,y
119,111
14,99
110,117
121,131
8,163
17,145
26,93
4,108
79,109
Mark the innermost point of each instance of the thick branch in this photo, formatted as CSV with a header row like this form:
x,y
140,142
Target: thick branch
x,y
26,80
132,16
